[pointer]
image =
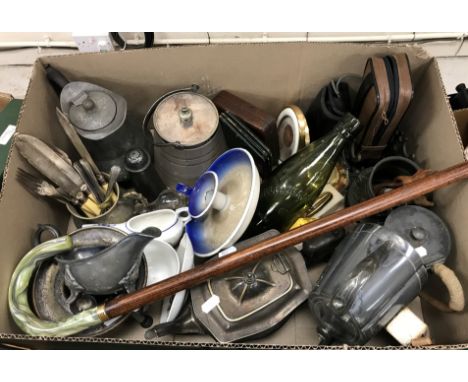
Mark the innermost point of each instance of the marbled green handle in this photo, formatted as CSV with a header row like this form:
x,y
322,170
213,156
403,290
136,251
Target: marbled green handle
x,y
18,295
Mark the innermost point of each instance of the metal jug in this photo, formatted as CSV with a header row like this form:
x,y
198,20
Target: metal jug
x,y
97,270
100,118
186,135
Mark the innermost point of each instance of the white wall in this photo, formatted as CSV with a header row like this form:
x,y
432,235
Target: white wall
x,y
450,44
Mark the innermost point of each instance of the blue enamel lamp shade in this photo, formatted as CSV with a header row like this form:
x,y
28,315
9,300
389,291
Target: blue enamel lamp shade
x,y
226,197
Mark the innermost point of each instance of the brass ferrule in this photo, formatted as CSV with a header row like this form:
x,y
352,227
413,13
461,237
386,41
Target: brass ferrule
x,y
101,312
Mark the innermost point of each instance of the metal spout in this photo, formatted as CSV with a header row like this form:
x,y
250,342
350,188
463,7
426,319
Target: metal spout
x,y
109,270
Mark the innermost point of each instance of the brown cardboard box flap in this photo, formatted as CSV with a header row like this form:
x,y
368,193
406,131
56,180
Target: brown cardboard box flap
x,y
461,116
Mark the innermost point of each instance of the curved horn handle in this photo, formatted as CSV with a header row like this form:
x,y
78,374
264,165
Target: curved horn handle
x,y
18,295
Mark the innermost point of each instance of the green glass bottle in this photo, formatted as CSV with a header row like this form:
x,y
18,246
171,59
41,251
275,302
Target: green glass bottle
x,y
298,181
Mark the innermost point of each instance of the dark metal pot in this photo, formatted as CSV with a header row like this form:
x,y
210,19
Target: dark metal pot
x,y
386,170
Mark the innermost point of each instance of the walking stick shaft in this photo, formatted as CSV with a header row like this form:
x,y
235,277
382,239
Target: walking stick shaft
x,y
429,183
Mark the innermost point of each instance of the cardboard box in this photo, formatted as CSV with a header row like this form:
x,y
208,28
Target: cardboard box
x,y
270,76
461,116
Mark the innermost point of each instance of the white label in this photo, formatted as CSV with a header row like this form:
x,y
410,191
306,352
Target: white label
x,y
406,327
227,251
421,251
210,304
7,134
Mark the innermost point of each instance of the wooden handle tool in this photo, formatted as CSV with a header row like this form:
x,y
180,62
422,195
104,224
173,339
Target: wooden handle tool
x,y
424,185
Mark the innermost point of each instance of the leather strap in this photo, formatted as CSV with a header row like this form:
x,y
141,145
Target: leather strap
x,y
383,87
404,96
382,100
386,80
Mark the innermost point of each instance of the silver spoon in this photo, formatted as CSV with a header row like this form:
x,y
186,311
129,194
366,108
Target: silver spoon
x,y
113,175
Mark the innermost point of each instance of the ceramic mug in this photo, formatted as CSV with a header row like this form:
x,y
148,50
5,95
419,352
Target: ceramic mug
x,y
170,222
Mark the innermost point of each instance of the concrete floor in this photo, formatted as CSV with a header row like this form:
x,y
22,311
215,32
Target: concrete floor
x,y
16,66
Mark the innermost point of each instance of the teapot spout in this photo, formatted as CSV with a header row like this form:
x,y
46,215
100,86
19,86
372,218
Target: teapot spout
x,y
108,270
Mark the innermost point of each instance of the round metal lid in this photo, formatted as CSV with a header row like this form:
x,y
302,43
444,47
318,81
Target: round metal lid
x,y
95,111
422,228
187,118
110,116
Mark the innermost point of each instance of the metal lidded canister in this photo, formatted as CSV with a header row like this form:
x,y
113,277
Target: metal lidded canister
x,y
100,118
95,111
186,136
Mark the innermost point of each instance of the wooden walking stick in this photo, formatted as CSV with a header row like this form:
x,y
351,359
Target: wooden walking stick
x,y
422,185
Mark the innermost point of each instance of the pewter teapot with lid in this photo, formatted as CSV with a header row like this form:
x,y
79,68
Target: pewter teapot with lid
x,y
99,116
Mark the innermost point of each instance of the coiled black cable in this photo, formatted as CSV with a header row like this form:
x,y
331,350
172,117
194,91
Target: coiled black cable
x,y
118,39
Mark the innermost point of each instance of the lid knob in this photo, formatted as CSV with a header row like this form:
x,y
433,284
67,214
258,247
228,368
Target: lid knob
x,y
250,278
137,160
135,157
185,115
418,233
88,104
204,195
337,304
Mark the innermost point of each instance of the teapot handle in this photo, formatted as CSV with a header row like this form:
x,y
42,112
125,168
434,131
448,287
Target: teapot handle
x,y
41,228
56,79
